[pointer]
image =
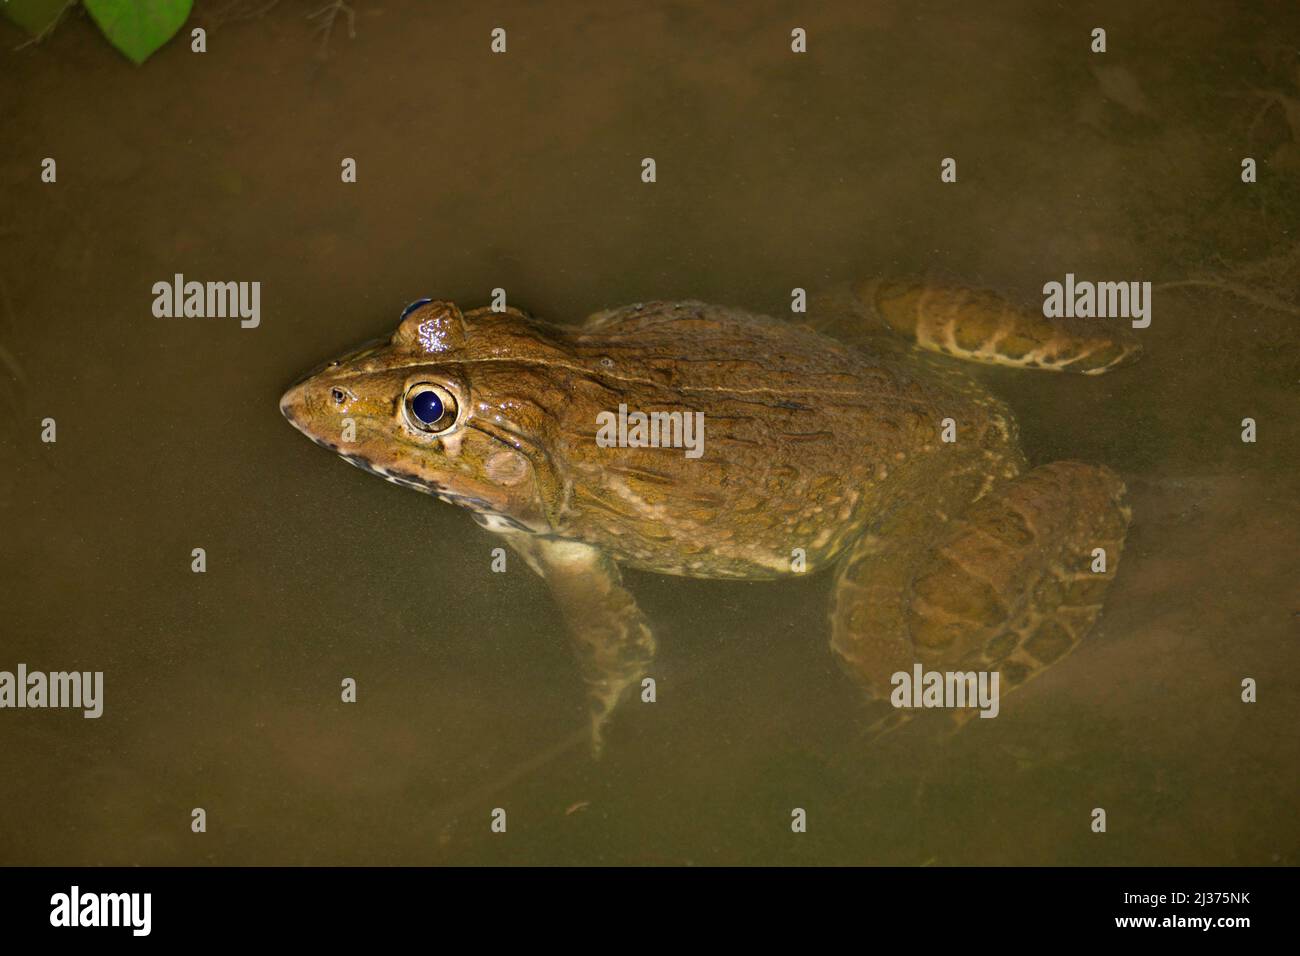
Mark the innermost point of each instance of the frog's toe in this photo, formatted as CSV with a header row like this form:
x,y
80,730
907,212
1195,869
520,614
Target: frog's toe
x,y
603,700
882,719
598,721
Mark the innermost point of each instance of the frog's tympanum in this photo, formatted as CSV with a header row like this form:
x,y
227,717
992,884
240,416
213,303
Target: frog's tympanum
x,y
874,458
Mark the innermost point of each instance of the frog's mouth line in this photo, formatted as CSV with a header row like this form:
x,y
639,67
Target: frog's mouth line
x,y
409,479
286,410
481,511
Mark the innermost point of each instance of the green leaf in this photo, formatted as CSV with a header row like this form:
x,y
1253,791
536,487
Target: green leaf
x,y
139,27
34,16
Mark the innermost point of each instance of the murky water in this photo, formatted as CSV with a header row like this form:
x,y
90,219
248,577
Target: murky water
x,y
775,170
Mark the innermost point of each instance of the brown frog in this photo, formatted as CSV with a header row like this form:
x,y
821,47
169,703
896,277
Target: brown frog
x,y
877,459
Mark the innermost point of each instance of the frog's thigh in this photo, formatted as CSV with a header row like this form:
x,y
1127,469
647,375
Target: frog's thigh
x,y
1006,586
612,640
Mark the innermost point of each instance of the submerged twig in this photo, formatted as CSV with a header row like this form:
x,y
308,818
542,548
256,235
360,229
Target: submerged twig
x,y
1289,105
7,358
1248,280
236,10
328,15
1242,292
49,27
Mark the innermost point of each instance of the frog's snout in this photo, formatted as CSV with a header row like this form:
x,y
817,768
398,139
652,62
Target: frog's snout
x,y
291,403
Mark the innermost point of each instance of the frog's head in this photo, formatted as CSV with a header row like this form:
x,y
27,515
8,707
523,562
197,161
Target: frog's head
x,y
431,409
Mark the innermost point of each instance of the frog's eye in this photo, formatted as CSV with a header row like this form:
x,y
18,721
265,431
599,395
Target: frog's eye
x,y
338,396
430,408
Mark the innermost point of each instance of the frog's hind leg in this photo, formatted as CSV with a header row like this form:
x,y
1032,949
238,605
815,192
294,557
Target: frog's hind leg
x,y
1007,587
980,326
611,637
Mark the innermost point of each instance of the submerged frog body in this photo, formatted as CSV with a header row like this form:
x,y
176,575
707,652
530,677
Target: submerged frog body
x,y
892,467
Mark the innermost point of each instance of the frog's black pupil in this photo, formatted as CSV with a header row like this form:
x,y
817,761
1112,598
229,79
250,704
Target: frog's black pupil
x,y
338,396
427,406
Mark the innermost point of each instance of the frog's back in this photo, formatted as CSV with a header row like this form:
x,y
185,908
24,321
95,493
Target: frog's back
x,y
719,351
803,437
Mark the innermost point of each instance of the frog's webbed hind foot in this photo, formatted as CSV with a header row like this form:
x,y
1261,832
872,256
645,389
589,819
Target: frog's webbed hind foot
x,y
1008,587
611,637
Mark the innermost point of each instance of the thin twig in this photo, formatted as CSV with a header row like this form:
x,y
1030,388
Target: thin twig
x,y
1290,111
1244,292
49,27
328,14
7,358
238,10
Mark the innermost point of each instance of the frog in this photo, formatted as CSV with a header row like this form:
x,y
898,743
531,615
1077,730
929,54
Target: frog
x,y
856,442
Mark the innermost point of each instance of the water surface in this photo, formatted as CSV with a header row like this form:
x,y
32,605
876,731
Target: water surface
x,y
522,171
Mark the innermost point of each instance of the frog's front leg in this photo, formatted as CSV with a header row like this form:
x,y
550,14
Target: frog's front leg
x,y
611,638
